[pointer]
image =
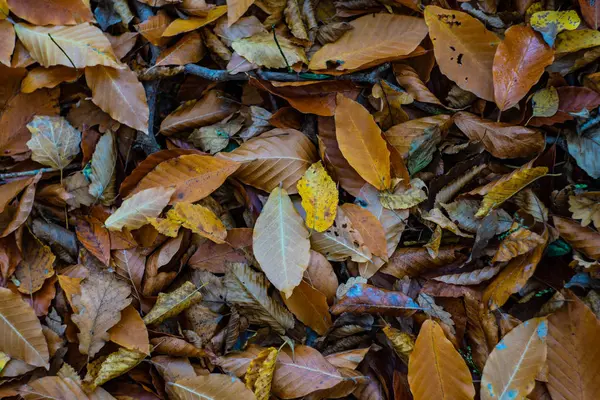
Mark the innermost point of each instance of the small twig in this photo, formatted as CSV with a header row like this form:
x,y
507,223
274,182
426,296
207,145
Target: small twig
x,y
63,51
12,175
281,50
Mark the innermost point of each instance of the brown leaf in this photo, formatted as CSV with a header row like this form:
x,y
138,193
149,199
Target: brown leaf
x,y
20,214
518,64
464,49
94,237
214,257
371,230
54,12
274,157
7,42
502,140
23,338
100,304
470,278
41,77
86,114
153,28
171,304
571,99
188,50
590,10
52,387
582,238
130,332
209,109
435,369
130,264
363,298
193,176
173,346
213,386
520,241
373,40
123,43
573,334
36,267
310,307
321,276
405,137
408,78
411,261
119,93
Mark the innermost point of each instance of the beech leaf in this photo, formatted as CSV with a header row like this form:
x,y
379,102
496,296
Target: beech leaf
x,y
134,211
171,304
319,197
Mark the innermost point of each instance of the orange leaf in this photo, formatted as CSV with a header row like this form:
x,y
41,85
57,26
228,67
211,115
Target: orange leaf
x,y
590,10
519,63
188,50
237,8
582,238
7,42
435,369
41,77
360,142
153,28
53,12
369,227
375,39
94,237
310,307
402,136
464,49
190,24
176,347
573,341
119,93
130,332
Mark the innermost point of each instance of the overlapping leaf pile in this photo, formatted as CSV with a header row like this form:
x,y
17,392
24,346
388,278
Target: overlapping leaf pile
x,y
299,199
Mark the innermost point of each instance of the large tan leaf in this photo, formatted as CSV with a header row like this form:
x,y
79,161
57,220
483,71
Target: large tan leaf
x,y
361,143
261,49
85,45
130,332
435,369
303,372
211,108
193,176
582,238
53,387
104,163
573,344
237,8
22,336
280,242
41,77
518,65
277,156
100,303
248,291
341,241
119,93
53,12
512,366
502,140
464,49
135,211
210,387
374,39
310,306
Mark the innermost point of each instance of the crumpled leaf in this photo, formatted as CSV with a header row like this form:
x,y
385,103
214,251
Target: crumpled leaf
x,y
248,291
116,364
262,50
520,241
104,164
402,342
435,311
586,207
100,303
545,102
171,304
550,23
35,268
293,18
319,197
260,373
402,198
198,219
280,242
435,369
214,138
134,211
54,142
515,361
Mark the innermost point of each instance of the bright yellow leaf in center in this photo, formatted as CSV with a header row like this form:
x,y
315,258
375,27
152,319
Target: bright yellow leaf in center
x,y
200,220
319,197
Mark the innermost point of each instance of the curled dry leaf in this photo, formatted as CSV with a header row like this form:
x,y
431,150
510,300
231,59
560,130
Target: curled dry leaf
x,y
514,363
134,211
260,373
402,342
116,364
520,241
94,237
41,77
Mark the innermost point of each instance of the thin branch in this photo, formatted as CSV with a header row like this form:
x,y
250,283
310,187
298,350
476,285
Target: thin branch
x,y
12,175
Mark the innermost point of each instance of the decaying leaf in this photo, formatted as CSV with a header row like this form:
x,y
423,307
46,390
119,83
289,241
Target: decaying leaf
x,y
171,304
198,219
106,368
212,386
54,142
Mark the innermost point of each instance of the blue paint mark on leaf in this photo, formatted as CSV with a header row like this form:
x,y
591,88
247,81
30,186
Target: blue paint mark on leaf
x,y
490,389
542,329
354,291
501,345
512,394
410,303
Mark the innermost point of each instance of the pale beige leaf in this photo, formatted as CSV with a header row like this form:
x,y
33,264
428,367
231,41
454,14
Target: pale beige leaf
x,y
52,387
100,303
54,142
85,45
211,387
280,242
248,291
104,162
134,211
22,336
116,364
119,93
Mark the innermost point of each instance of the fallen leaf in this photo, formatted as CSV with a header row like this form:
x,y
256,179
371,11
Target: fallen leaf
x,y
130,332
85,45
200,220
37,266
152,29
94,237
359,139
212,386
54,12
52,387
545,102
237,8
116,364
436,369
119,93
171,304
590,10
572,101
550,23
123,43
104,164
413,261
374,39
464,49
520,241
319,197
515,361
135,210
309,305
7,42
518,65
261,49
582,148
181,25
260,373
23,332
175,347
402,342
363,298
41,77
586,207
100,304
582,238
369,227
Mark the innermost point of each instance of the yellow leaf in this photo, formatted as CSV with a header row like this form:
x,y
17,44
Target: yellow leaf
x,y
200,220
191,24
319,197
262,49
3,9
507,186
171,304
545,102
401,198
237,8
437,217
550,23
165,226
85,45
571,41
360,142
260,373
116,364
41,77
4,358
134,211
280,242
402,342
